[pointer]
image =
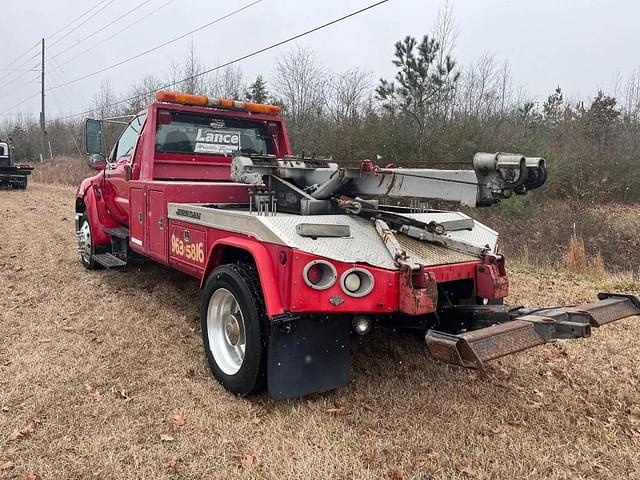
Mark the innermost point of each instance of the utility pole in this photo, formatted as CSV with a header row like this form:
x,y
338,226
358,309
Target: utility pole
x,y
43,129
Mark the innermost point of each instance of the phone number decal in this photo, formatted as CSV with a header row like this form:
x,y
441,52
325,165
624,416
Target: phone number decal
x,y
188,251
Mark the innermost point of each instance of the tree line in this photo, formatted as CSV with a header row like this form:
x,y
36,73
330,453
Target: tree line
x,y
434,111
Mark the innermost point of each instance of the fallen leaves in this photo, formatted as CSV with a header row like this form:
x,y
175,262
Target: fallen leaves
x,y
121,393
467,471
370,456
178,421
503,428
370,432
28,476
337,409
252,458
394,474
428,458
93,393
6,465
165,437
173,464
24,432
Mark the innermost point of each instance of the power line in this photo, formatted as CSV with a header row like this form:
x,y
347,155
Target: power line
x,y
109,2
22,54
79,42
22,102
37,44
14,70
69,92
13,78
239,59
157,47
135,23
75,20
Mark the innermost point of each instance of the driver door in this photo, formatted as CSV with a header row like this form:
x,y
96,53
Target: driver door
x,y
118,171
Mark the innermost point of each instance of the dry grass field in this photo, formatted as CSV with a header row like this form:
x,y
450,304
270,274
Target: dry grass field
x,y
102,375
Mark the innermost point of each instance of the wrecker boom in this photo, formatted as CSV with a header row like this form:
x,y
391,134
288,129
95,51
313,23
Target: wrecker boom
x,y
494,177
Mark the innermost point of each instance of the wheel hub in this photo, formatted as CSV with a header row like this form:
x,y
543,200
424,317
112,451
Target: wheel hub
x,y
84,241
232,330
226,331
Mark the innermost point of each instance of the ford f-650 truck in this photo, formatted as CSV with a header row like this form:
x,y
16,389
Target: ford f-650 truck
x,y
295,254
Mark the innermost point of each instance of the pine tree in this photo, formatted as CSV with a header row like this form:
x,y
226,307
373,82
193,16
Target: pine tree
x,y
258,91
424,80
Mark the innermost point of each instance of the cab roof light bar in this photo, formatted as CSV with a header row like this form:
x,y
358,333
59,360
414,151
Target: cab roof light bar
x,y
226,103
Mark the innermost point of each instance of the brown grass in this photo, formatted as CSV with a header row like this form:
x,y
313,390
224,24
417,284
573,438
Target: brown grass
x,y
106,360
62,171
546,228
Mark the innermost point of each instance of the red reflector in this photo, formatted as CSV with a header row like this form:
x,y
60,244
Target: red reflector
x,y
314,274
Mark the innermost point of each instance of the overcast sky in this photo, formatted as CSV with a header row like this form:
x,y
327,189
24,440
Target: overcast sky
x,y
581,45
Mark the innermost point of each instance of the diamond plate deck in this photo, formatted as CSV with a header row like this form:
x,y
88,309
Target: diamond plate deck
x,y
363,246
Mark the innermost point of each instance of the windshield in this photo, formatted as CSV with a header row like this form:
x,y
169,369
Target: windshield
x,y
180,132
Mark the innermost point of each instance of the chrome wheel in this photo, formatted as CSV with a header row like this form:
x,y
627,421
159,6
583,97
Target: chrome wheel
x,y
84,241
226,331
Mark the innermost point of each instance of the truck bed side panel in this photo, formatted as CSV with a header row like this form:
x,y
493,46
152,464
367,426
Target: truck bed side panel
x,y
157,226
137,220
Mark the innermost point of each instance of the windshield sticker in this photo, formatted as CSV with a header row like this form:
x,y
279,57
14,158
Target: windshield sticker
x,y
217,123
221,142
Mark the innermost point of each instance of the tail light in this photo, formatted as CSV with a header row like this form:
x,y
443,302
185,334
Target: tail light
x,y
319,274
357,282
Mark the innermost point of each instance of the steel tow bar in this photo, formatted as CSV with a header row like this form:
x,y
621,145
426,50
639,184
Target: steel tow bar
x,y
528,328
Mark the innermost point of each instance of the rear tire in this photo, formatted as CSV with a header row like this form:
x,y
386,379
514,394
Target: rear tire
x,y
234,328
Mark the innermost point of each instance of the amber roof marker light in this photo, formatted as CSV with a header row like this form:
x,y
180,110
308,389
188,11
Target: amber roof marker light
x,y
226,103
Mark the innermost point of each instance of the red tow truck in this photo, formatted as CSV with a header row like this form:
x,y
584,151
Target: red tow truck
x,y
295,254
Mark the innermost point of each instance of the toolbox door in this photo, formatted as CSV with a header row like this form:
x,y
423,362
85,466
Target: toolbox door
x,y
157,224
136,220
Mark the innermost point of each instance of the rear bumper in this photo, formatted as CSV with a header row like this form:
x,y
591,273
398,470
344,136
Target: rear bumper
x,y
520,329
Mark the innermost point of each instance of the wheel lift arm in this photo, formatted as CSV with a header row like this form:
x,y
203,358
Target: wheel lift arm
x,y
501,330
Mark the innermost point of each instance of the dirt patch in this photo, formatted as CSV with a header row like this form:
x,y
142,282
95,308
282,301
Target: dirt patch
x,y
102,375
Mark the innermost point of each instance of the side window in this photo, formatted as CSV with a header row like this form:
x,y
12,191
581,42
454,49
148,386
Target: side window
x,y
129,137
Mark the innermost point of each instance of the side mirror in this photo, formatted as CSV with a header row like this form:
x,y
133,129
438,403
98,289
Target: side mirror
x,y
93,136
97,162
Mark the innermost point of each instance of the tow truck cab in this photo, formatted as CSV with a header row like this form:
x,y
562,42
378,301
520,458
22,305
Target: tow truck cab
x,y
169,153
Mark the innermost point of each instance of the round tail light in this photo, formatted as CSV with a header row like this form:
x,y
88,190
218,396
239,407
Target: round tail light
x,y
319,274
357,282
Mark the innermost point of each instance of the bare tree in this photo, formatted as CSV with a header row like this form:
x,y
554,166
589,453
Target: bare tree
x,y
346,97
103,101
445,31
191,71
228,82
142,93
299,81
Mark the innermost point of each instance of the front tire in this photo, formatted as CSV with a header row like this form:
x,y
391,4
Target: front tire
x,y
234,328
86,247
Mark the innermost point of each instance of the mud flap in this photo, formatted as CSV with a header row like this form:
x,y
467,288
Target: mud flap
x,y
308,355
529,329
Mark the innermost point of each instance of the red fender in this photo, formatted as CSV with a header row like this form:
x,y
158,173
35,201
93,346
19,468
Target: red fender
x,y
264,264
99,217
